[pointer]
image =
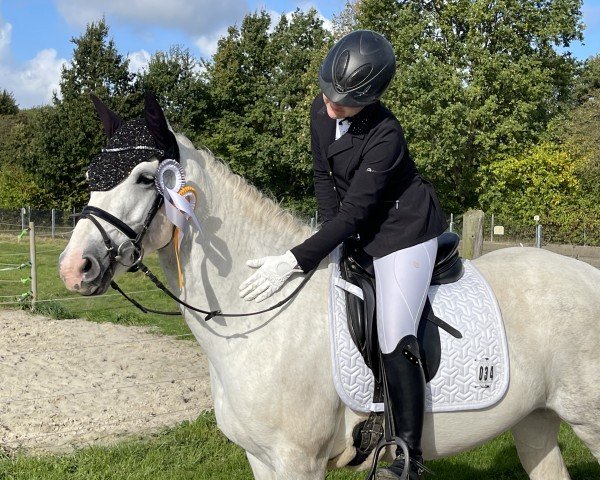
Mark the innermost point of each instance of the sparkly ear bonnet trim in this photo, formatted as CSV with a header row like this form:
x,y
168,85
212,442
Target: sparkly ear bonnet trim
x,y
131,145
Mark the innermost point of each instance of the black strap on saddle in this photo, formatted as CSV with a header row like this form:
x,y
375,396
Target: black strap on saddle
x,y
357,268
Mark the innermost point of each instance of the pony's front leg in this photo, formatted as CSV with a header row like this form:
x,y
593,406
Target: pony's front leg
x,y
288,469
259,469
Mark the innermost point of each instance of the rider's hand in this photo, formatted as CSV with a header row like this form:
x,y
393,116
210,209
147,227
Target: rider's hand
x,y
269,278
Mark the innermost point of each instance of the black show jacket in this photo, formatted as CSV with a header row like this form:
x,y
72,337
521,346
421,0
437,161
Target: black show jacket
x,y
366,183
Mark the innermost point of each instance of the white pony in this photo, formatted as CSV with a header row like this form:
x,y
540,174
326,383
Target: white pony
x,y
271,374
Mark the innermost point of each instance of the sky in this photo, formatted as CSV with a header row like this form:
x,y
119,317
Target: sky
x,y
35,34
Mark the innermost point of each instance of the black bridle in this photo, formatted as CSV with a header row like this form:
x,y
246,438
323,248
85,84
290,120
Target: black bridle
x,y
134,239
134,244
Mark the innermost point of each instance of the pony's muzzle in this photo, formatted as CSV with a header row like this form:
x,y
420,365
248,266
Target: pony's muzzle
x,y
83,273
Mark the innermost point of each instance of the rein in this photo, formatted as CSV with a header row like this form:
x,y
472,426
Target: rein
x,y
209,314
135,240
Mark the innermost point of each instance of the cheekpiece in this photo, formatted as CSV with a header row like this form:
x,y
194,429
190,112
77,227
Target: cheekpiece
x,y
131,145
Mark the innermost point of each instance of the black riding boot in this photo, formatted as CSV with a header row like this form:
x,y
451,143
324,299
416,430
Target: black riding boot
x,y
405,404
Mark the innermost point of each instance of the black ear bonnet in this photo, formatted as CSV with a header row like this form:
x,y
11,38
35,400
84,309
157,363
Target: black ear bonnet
x,y
129,144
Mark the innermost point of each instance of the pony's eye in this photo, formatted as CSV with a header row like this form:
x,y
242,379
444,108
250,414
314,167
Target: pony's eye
x,y
145,179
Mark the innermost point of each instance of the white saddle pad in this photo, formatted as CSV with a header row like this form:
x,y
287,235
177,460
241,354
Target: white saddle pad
x,y
473,371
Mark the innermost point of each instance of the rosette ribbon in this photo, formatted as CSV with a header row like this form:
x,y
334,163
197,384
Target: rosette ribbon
x,y
180,201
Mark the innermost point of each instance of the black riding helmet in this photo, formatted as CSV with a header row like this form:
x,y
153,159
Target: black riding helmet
x,y
358,69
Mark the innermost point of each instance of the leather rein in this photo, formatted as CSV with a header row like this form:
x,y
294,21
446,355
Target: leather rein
x,y
134,245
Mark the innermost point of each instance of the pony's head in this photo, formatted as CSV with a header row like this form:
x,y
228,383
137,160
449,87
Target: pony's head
x,y
125,215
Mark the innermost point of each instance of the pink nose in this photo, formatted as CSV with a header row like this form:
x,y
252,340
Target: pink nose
x,y
77,268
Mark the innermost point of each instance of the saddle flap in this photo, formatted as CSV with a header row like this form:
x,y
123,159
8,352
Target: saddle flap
x,y
362,322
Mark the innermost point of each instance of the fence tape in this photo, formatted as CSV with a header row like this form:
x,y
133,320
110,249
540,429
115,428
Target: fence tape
x,y
23,265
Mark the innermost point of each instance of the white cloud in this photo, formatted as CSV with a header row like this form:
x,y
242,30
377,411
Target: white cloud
x,y
32,82
304,7
196,17
138,61
5,35
207,44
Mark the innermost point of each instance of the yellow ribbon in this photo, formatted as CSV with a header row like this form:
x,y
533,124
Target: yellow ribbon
x,y
191,196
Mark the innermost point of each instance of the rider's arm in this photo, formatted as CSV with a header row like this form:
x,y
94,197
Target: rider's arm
x,y
384,151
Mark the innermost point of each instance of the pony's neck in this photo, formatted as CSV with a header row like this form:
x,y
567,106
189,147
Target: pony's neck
x,y
238,223
235,212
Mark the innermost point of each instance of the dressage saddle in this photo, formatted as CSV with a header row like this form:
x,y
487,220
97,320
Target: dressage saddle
x,y
357,268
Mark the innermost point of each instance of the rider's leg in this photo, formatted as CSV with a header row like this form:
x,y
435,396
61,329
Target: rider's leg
x,y
403,279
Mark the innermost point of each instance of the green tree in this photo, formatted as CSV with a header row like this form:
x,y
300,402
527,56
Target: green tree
x,y
8,105
579,133
17,187
587,83
69,133
96,67
477,80
544,181
262,83
175,78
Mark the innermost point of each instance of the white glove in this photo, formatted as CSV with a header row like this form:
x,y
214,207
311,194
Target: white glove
x,y
270,277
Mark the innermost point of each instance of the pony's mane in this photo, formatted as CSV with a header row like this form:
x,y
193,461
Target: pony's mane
x,y
258,206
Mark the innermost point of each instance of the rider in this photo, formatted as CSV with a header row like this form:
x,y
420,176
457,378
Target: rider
x,y
368,187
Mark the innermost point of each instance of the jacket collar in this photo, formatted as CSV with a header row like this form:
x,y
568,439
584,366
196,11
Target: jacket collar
x,y
360,125
342,144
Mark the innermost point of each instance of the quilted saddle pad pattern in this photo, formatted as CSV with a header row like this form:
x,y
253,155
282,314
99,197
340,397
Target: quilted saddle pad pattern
x,y
474,370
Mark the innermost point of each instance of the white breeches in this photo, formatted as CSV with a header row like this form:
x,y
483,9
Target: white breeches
x,y
402,284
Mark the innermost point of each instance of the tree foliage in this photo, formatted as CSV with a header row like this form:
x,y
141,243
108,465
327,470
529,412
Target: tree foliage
x,y
17,187
69,132
477,79
261,84
543,181
96,67
8,105
175,77
579,133
587,83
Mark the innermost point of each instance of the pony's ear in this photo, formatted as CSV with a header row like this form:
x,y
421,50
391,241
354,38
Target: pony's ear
x,y
157,124
109,119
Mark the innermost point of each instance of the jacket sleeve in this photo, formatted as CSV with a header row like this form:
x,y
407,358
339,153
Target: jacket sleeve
x,y
381,157
327,199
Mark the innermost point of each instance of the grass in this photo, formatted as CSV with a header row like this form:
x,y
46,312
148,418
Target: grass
x,y
196,450
199,451
57,302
